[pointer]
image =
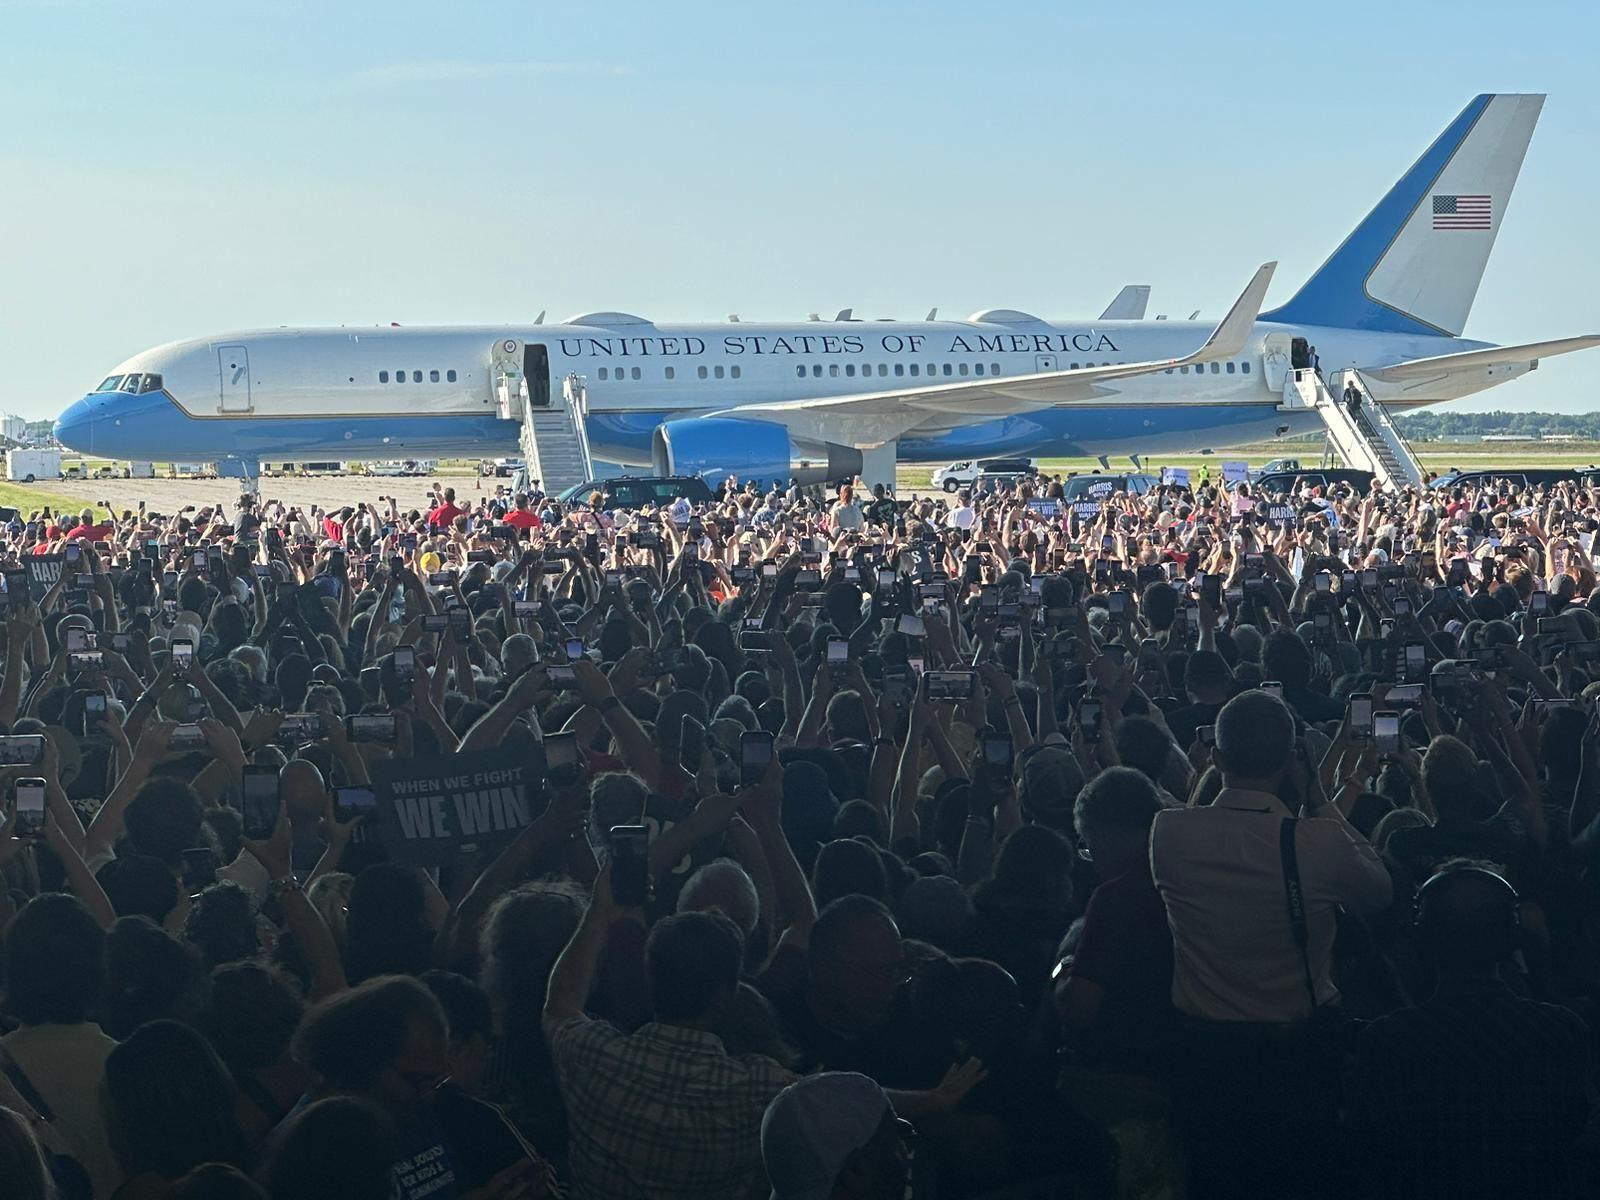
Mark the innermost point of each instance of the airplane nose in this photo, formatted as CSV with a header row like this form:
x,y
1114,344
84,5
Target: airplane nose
x,y
74,427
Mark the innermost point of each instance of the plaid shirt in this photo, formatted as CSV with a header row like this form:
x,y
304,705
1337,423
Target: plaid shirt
x,y
664,1112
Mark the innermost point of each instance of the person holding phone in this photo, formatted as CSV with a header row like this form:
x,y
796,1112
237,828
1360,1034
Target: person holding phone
x,y
1230,874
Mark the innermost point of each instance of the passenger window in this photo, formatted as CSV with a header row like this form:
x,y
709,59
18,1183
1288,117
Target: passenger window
x,y
433,377
1216,368
994,368
977,368
849,370
1245,367
914,368
816,370
932,370
961,368
717,371
671,373
450,376
947,368
1230,367
833,370
383,377
416,377
1169,371
399,376
636,372
605,373
883,368
899,368
702,372
1183,370
734,371
1072,366
800,371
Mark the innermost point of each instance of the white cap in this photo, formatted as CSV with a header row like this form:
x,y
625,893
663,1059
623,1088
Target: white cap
x,y
813,1126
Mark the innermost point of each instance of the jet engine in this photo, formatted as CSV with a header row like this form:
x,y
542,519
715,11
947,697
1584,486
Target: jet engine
x,y
716,447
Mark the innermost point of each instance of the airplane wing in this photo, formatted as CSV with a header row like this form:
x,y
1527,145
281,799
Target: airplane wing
x,y
871,418
1526,355
1129,304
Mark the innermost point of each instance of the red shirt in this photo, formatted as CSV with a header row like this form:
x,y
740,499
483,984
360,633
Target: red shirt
x,y
523,520
333,529
445,513
93,533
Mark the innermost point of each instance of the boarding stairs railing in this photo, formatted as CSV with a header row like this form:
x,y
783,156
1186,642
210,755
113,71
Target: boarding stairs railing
x,y
1365,437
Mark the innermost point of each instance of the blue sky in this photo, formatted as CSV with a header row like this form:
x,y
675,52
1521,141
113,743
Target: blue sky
x,y
172,169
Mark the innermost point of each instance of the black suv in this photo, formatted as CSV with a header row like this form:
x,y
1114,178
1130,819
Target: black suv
x,y
1281,483
638,491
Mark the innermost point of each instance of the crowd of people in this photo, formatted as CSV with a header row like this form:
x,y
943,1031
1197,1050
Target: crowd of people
x,y
1187,844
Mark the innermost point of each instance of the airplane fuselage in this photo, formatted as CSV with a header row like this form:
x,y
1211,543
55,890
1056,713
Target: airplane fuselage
x,y
393,392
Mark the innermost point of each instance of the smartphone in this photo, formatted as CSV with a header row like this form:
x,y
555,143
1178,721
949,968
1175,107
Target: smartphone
x,y
1211,590
630,865
442,579
951,685
261,799
1322,582
751,641
187,738
350,803
562,765
94,709
1272,687
21,750
80,639
691,745
911,625
1416,662
1206,735
755,756
368,727
1386,732
1089,715
997,751
435,622
182,654
838,651
1538,604
1369,579
296,728
199,869
1406,695
562,678
574,649
1361,716
86,660
405,663
481,556
525,610
30,808
808,580
1119,603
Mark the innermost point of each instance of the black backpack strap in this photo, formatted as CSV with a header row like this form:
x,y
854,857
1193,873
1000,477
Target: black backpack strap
x,y
1297,903
18,1078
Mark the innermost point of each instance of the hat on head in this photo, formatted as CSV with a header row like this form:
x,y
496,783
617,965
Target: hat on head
x,y
813,1126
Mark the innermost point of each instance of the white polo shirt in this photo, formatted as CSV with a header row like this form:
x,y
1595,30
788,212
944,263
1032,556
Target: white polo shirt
x,y
1220,873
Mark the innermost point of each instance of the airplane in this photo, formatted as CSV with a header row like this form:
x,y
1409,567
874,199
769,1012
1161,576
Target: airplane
x,y
820,400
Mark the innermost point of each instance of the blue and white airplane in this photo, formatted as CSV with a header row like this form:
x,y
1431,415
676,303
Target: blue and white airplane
x,y
772,400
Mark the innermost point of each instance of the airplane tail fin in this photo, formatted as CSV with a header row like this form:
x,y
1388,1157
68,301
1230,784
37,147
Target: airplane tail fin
x,y
1414,264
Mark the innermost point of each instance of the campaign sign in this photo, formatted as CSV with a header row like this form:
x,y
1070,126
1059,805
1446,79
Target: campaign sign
x,y
1281,514
1235,472
1175,476
43,571
433,811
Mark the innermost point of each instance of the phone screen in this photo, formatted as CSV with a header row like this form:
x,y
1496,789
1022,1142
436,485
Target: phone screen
x,y
30,808
838,650
755,756
561,761
372,727
1386,732
1361,716
352,802
182,654
574,649
260,801
630,865
405,663
951,685
1089,720
997,750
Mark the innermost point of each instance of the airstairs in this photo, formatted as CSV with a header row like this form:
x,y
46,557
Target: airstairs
x,y
1366,439
553,438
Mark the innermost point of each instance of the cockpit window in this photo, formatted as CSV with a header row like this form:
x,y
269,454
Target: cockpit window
x,y
130,383
111,384
150,383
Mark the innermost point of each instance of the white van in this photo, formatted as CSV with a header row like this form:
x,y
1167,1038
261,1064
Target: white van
x,y
964,474
24,466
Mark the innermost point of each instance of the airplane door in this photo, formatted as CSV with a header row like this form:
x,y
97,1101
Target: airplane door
x,y
536,370
233,370
1045,362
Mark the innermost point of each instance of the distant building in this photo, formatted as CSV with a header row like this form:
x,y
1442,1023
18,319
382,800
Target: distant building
x,y
12,427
